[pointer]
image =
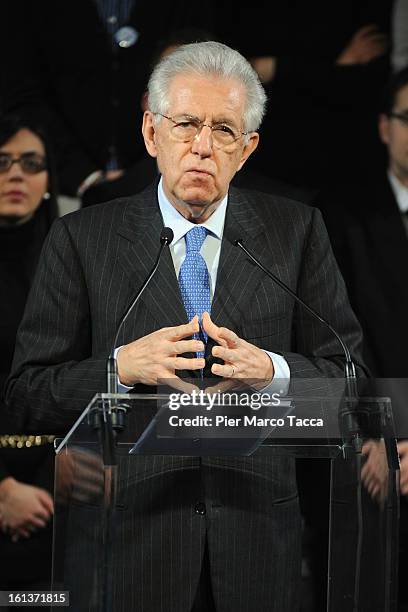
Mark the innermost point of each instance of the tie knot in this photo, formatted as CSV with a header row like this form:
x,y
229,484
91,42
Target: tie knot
x,y
195,238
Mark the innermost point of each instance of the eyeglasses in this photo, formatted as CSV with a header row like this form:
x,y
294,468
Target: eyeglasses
x,y
186,129
30,163
403,117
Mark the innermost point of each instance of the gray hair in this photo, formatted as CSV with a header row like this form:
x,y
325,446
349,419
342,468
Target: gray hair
x,y
208,59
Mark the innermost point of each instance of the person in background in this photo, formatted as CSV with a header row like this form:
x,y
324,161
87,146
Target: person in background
x,y
144,171
82,67
323,66
27,210
368,227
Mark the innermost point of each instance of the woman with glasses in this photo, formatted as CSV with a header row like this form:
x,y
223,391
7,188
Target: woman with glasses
x,y
27,209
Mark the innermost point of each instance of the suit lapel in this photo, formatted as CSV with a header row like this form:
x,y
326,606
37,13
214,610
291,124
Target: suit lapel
x,y
138,251
237,276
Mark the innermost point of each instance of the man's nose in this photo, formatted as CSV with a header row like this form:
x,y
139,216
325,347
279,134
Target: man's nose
x,y
203,142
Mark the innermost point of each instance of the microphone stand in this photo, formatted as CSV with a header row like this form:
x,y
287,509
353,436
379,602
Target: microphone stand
x,y
108,422
349,416
116,410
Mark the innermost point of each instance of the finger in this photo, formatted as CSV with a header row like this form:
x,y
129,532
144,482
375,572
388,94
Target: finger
x,y
377,37
372,53
376,490
184,363
46,500
402,447
187,346
375,494
371,27
373,46
364,472
39,513
367,446
370,488
222,335
371,41
368,479
229,336
210,328
89,473
403,482
39,520
226,371
225,354
183,331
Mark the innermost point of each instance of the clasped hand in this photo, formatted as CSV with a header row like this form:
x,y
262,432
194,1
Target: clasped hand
x,y
23,508
157,356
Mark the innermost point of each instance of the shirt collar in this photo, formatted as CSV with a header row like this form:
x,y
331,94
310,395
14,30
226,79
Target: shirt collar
x,y
180,226
400,192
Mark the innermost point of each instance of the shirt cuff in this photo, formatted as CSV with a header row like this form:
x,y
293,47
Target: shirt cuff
x,y
281,377
121,388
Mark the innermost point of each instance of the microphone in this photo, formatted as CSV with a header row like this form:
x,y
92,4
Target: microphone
x,y
166,237
349,414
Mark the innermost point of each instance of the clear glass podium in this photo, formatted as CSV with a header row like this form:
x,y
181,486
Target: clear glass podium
x,y
130,474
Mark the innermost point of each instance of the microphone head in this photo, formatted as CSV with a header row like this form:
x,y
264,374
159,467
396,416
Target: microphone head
x,y
233,237
166,235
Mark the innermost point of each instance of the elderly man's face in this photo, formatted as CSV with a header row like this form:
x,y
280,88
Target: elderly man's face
x,y
196,174
394,134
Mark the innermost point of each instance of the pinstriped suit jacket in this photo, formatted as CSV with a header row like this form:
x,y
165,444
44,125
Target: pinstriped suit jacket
x,y
93,262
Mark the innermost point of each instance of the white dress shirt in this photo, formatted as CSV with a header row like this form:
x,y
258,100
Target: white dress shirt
x,y
401,195
400,192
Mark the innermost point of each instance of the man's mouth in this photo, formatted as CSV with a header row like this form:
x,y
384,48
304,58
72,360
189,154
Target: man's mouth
x,y
200,171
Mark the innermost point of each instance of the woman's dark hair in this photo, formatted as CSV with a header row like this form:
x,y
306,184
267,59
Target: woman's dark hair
x,y
10,125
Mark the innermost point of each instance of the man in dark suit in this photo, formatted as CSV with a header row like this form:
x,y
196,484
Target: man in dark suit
x,y
368,227
367,224
224,533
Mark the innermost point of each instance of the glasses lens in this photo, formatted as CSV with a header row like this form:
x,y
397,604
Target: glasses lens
x,y
185,130
32,163
5,162
224,135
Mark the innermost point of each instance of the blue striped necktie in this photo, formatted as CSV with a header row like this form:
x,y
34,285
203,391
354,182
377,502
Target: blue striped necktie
x,y
194,280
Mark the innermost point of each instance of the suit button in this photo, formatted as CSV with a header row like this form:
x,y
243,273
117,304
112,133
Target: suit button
x,y
199,508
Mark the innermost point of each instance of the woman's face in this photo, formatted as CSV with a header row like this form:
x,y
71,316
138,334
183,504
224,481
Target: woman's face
x,y
21,189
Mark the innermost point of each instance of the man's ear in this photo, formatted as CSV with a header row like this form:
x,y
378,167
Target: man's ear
x,y
384,128
249,148
149,133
